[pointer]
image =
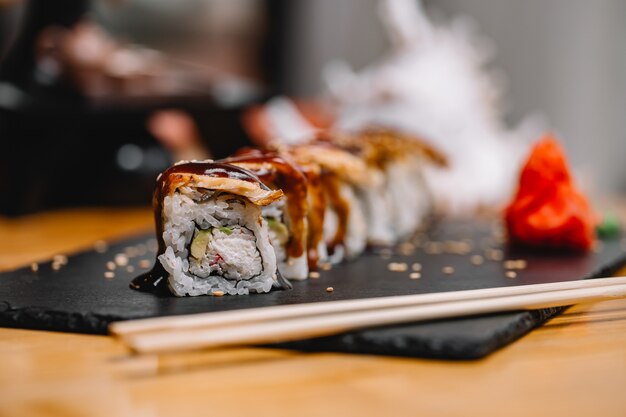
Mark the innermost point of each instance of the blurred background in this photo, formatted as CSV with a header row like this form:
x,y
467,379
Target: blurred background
x,y
97,97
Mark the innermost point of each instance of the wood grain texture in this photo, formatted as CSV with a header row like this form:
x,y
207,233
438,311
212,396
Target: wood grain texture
x,y
573,365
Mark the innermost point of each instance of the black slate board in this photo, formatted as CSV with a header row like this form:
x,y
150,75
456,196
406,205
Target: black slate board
x,y
78,297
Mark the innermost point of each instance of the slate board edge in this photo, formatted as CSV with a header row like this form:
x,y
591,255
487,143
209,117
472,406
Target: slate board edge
x,y
40,319
419,348
37,318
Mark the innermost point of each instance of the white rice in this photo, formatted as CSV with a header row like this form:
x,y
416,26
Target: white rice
x,y
378,212
408,197
289,267
356,232
190,209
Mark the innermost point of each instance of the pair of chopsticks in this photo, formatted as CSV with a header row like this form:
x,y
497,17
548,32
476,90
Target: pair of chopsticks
x,y
294,322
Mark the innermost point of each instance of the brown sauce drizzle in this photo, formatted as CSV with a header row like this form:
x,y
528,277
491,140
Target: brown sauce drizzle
x,y
280,173
316,199
342,208
155,280
316,213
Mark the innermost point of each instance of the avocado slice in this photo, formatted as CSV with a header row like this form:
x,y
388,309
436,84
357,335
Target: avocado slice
x,y
280,230
225,229
199,243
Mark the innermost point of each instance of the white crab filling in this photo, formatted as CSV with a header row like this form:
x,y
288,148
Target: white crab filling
x,y
229,252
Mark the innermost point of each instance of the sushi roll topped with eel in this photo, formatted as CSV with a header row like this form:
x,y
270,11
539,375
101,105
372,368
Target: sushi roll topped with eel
x,y
211,232
239,225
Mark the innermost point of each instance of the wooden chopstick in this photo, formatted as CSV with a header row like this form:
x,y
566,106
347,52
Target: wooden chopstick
x,y
327,324
255,315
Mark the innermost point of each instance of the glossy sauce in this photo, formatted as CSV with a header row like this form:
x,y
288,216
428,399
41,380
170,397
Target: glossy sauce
x,y
155,280
280,173
316,199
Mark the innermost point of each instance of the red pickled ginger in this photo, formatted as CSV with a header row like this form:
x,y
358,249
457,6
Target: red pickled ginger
x,y
548,210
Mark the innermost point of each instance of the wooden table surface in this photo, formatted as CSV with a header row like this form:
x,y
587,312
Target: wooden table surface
x,y
575,365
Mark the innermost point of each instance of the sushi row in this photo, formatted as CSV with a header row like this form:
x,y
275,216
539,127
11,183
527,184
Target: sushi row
x,y
262,217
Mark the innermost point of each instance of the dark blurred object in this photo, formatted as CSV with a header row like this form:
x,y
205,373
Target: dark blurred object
x,y
74,124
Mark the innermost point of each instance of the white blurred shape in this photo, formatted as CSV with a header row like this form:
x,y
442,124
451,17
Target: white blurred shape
x,y
286,123
434,84
129,157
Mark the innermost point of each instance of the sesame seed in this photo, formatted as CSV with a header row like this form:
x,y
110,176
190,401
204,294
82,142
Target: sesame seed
x,y
314,274
416,266
130,268
131,251
433,248
415,275
448,270
121,259
494,254
406,248
398,266
34,267
100,246
457,247
515,264
476,260
330,289
218,293
511,274
326,266
144,263
56,266
60,259
510,264
109,274
111,265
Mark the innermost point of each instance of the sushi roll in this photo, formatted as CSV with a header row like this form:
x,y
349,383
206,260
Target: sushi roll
x,y
317,250
397,203
211,233
286,217
345,225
